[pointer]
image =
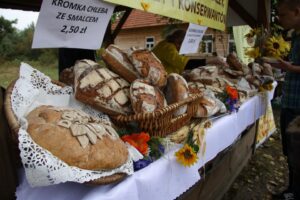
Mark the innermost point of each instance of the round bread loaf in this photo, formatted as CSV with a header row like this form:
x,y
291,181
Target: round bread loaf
x,y
145,97
118,62
76,138
148,66
176,90
101,88
234,62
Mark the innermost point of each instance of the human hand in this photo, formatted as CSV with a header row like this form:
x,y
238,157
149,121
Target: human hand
x,y
216,60
281,64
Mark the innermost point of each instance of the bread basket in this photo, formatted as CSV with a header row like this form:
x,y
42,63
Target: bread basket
x,y
163,121
14,126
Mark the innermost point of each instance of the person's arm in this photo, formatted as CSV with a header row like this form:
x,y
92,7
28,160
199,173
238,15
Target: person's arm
x,y
286,66
175,63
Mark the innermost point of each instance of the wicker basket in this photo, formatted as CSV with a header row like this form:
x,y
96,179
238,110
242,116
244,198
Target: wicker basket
x,y
14,126
11,117
161,122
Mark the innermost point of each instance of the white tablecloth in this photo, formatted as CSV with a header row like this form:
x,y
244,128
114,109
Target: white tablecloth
x,y
165,178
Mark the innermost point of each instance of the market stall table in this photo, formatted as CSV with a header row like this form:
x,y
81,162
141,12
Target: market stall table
x,y
165,178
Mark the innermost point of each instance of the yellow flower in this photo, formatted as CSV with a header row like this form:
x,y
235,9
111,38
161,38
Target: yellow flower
x,y
277,47
145,6
266,87
252,52
253,32
186,156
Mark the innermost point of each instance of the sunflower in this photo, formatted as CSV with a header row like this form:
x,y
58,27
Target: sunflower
x,y
277,47
186,156
252,52
253,32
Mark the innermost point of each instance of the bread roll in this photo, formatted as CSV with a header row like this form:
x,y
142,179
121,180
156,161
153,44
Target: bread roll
x,y
148,66
118,62
145,97
101,88
76,138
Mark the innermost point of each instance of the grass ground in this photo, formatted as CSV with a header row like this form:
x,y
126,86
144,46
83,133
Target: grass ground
x,y
9,71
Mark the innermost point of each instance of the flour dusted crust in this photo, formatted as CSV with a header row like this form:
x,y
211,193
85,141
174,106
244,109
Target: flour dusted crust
x,y
104,149
176,90
206,75
145,97
118,62
101,88
148,66
208,104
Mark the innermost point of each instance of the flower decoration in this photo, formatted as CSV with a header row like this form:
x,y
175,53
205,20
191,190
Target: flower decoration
x,y
266,87
232,92
150,147
265,44
156,148
253,52
140,164
186,156
145,6
139,141
277,47
230,97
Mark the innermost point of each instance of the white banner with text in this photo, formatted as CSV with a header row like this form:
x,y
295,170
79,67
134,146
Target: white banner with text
x,y
72,24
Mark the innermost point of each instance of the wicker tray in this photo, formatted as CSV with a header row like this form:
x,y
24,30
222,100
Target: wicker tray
x,y
14,126
161,122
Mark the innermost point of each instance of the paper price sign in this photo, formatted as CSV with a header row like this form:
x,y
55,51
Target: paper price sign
x,y
72,24
192,39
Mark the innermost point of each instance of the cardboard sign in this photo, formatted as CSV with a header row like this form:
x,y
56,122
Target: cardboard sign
x,y
202,12
72,24
193,37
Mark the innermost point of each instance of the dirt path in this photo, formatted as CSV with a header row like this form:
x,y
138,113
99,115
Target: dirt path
x,y
266,172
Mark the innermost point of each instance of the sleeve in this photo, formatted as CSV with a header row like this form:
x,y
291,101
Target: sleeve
x,y
175,60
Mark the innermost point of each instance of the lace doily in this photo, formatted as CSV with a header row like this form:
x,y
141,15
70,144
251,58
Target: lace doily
x,y
33,89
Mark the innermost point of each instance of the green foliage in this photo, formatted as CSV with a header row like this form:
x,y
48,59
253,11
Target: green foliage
x,y
156,148
6,27
191,142
9,70
15,47
15,44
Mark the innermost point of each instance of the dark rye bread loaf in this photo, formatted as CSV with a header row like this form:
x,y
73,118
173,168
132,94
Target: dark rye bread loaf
x,y
145,97
101,88
148,66
176,90
118,62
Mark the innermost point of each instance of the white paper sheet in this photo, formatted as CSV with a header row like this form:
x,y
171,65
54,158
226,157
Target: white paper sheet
x,y
192,39
72,23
